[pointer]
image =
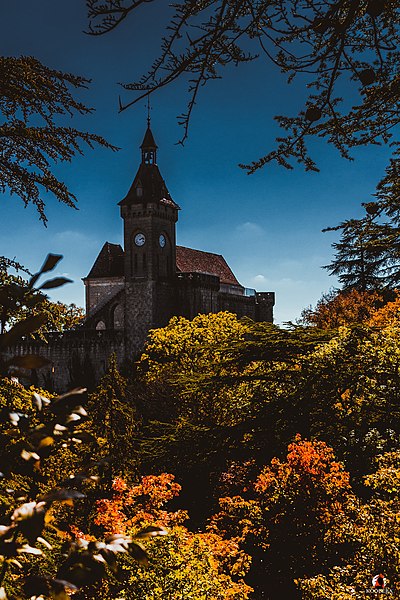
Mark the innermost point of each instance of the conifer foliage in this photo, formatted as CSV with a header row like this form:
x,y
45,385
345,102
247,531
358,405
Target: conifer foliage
x,y
32,99
362,255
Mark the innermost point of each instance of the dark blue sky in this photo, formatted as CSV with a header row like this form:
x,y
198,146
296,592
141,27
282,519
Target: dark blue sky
x,y
268,225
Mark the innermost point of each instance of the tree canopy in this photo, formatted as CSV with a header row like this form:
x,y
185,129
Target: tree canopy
x,y
20,300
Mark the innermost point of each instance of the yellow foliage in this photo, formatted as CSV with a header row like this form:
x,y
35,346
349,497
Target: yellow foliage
x,y
191,346
186,353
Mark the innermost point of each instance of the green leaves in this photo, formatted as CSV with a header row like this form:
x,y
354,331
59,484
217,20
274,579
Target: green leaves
x,y
365,254
19,298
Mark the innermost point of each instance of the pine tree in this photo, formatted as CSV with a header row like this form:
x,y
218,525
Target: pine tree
x,y
114,418
363,254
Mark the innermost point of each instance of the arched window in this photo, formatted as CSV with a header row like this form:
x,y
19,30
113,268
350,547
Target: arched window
x,y
100,326
118,316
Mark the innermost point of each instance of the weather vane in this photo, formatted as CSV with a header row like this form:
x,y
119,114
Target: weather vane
x,y
148,110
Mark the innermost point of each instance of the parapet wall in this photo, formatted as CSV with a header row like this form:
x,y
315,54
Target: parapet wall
x,y
76,357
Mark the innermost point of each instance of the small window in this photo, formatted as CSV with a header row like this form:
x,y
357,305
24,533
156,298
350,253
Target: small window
x,y
139,191
100,326
118,317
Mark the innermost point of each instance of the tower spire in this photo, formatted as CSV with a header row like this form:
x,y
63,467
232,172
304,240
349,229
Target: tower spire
x,y
149,146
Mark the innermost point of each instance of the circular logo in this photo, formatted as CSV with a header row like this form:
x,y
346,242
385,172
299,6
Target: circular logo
x,y
378,581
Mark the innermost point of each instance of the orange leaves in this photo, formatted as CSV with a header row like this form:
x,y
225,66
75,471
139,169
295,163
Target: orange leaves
x,y
157,489
119,485
76,533
342,308
387,315
192,565
139,505
310,470
350,307
308,490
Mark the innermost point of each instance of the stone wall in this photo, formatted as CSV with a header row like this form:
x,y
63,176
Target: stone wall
x,y
202,293
265,306
197,293
148,305
100,290
258,307
76,357
80,358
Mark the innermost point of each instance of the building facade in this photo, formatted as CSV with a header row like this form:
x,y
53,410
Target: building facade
x,y
139,287
152,279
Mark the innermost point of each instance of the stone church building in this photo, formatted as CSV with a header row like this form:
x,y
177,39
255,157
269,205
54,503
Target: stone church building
x,y
141,286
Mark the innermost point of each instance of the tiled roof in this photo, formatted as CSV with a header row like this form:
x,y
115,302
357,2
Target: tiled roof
x,y
189,260
109,263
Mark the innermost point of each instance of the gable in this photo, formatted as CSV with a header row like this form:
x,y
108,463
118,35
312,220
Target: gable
x,y
109,263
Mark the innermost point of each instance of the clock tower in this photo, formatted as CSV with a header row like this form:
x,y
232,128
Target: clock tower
x,y
149,216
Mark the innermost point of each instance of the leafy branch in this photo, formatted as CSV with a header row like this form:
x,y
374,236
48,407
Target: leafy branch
x,y
326,43
32,97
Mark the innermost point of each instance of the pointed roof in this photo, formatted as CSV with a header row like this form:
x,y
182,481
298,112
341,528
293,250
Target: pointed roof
x,y
109,263
197,261
148,140
148,179
153,187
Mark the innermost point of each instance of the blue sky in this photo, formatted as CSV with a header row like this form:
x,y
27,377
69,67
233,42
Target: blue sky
x,y
267,225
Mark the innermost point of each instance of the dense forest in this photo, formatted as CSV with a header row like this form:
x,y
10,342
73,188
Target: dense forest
x,y
233,459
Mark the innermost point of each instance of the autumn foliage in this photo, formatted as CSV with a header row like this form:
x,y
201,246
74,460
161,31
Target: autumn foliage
x,y
308,490
387,315
131,508
310,471
338,308
286,515
196,565
285,443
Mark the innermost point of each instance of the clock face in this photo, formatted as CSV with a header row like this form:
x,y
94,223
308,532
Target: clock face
x,y
162,240
140,239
